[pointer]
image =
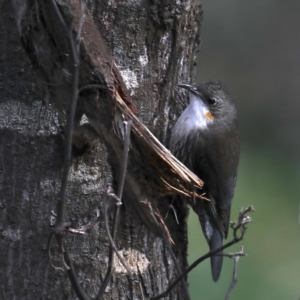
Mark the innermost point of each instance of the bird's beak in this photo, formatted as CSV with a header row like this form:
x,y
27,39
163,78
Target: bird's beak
x,y
186,86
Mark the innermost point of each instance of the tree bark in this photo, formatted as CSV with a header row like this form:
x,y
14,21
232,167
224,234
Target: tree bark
x,y
153,45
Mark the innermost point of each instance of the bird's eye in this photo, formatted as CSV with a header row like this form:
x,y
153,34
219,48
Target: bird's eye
x,y
212,101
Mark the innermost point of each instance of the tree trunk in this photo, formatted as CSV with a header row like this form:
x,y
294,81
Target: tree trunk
x,y
153,44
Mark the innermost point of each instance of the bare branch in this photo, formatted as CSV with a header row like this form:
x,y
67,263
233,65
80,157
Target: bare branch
x,y
61,226
85,228
49,253
114,196
114,245
73,277
74,53
236,256
123,168
243,220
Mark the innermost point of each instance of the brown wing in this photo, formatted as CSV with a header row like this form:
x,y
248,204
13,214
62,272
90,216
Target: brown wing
x,y
219,171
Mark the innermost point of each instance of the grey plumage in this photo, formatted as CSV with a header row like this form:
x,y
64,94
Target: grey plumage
x,y
205,139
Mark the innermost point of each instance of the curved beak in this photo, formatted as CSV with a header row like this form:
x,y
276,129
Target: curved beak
x,y
188,87
184,85
191,88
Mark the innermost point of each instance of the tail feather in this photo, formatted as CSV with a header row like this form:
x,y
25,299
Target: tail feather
x,y
216,261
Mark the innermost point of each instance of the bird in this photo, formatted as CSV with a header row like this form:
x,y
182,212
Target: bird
x,y
205,139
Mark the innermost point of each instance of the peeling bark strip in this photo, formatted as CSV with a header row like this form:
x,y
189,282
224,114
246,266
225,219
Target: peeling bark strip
x,y
153,172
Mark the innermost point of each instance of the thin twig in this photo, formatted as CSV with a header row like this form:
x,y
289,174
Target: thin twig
x,y
83,229
234,254
190,268
236,258
60,226
113,195
60,242
112,243
123,168
243,220
127,127
82,295
71,114
49,253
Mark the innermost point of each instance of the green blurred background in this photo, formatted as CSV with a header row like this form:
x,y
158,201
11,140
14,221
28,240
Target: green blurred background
x,y
254,47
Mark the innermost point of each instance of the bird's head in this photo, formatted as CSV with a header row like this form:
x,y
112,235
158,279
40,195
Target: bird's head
x,y
215,98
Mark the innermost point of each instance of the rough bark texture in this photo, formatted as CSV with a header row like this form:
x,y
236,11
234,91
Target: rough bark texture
x,y
153,44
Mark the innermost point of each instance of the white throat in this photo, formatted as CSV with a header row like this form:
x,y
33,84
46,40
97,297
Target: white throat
x,y
195,116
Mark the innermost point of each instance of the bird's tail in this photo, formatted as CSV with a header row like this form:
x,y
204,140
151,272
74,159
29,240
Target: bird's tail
x,y
216,261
